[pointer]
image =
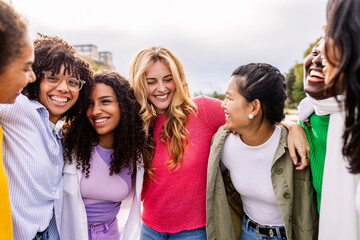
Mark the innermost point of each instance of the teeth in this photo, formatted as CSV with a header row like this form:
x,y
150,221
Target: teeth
x,y
162,97
100,120
59,99
314,73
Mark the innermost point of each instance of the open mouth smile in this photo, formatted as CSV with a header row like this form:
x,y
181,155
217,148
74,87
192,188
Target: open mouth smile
x,y
162,97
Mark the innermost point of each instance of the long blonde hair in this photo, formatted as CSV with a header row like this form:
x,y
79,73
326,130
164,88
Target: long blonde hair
x,y
174,133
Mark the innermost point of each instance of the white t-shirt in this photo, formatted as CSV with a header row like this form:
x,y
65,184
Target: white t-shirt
x,y
250,172
357,197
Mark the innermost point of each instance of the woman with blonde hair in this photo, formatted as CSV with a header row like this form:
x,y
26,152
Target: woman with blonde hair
x,y
178,132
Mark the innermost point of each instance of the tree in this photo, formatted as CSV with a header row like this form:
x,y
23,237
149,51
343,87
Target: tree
x,y
289,81
295,78
308,51
218,96
95,67
298,90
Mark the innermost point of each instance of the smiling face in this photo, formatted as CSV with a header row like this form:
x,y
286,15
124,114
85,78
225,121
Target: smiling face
x,y
237,109
18,73
314,76
160,86
103,112
59,99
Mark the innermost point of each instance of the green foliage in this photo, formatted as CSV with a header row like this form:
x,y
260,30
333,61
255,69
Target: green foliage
x,y
289,81
312,45
295,79
95,67
217,95
298,90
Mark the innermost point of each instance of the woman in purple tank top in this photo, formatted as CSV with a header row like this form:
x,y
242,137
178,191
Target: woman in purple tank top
x,y
103,171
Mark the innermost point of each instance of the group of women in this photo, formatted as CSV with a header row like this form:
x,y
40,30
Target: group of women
x,y
95,156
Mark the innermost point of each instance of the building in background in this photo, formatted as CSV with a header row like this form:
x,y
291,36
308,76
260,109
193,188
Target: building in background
x,y
91,53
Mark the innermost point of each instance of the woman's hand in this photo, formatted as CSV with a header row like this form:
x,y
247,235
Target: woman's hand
x,y
298,144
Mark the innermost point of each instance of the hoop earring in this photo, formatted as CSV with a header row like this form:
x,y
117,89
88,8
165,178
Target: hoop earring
x,y
251,116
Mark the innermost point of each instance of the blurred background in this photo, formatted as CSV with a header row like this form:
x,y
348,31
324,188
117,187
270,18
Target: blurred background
x,y
211,38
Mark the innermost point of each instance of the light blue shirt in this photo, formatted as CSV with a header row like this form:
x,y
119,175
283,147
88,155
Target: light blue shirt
x,y
33,161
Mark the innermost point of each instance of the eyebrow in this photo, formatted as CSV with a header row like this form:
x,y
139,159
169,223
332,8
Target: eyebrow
x,y
29,63
102,97
170,75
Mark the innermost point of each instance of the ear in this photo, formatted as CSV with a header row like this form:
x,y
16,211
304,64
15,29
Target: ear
x,y
255,107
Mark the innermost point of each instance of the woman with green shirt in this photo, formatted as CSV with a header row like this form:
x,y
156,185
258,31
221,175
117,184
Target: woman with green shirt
x,y
314,117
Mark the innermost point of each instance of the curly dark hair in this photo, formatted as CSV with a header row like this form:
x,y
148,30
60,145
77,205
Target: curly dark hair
x,y
264,82
343,28
12,33
50,54
81,138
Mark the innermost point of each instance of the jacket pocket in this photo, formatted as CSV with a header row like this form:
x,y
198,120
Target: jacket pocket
x,y
305,215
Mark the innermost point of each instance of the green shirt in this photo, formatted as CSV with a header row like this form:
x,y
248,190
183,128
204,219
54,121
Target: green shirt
x,y
317,135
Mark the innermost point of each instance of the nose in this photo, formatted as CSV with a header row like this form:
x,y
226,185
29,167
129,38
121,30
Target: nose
x,y
96,111
223,104
317,60
32,76
63,87
162,87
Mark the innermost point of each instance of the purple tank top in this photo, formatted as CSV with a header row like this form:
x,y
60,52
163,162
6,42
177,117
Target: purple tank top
x,y
102,194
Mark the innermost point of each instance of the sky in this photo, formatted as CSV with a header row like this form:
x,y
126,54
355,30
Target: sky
x,y
210,38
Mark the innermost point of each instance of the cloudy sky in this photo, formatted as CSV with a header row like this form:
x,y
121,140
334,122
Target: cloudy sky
x,y
211,38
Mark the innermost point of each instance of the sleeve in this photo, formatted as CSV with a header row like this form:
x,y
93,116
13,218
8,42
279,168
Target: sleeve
x,y
214,113
131,229
305,109
235,203
4,109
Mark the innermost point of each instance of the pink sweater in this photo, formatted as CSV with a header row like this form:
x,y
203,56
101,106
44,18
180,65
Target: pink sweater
x,y
177,200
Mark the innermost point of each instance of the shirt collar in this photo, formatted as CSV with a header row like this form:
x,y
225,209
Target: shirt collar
x,y
55,128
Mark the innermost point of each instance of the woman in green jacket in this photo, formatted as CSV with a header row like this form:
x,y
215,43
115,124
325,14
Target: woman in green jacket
x,y
276,201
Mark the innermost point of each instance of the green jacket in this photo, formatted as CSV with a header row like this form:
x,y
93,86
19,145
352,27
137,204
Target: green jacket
x,y
293,190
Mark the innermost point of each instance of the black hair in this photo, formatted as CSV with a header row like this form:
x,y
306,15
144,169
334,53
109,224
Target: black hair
x,y
263,82
50,54
81,137
12,33
343,29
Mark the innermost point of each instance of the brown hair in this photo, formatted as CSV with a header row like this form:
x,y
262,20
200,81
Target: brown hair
x,y
12,33
343,29
50,54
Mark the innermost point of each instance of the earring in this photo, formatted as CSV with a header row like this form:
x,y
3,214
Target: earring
x,y
251,116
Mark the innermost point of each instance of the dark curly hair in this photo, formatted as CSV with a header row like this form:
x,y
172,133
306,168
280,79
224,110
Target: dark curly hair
x,y
12,33
50,54
343,28
263,82
81,138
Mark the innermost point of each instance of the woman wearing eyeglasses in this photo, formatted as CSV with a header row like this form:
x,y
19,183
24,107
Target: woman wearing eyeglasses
x,y
33,155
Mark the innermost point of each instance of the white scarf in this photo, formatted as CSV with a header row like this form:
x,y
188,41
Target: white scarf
x,y
321,107
338,216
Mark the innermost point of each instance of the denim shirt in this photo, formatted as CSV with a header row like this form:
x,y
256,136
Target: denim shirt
x,y
293,191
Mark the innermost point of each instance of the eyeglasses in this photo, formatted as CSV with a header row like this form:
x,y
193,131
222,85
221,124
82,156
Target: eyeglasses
x,y
54,80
